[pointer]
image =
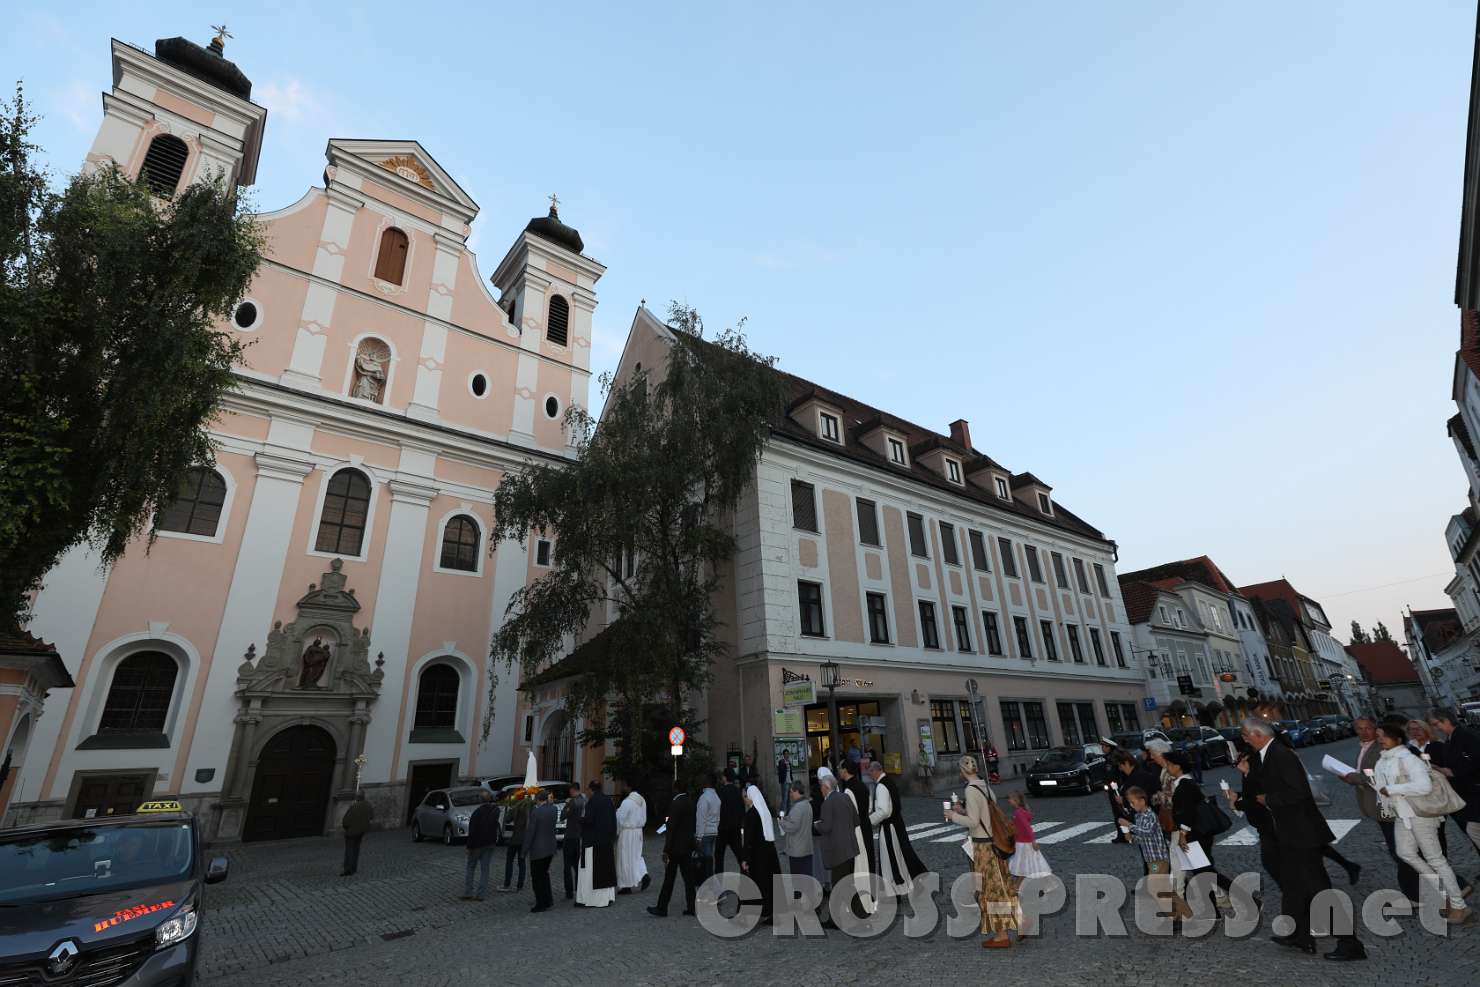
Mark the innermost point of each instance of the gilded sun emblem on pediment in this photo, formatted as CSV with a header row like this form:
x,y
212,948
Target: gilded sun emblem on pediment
x,y
408,167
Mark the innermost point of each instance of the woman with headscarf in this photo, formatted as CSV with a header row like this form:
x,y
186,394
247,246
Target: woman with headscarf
x,y
760,863
1000,910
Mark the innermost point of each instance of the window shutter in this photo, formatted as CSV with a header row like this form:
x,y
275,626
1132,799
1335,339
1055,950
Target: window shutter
x,y
390,263
557,326
164,163
803,506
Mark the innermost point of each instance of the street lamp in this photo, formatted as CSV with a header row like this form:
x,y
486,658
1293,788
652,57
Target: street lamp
x,y
830,671
977,711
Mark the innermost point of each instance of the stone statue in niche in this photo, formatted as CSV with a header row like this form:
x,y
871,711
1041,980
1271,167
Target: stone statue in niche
x,y
315,660
371,361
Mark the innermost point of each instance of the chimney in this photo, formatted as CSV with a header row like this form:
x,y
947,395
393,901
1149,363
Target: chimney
x,y
961,433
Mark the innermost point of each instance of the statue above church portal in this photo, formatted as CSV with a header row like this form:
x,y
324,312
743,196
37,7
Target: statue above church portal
x,y
315,660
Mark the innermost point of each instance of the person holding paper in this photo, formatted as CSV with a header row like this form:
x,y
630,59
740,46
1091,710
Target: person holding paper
x,y
1361,781
1187,800
1401,775
1302,831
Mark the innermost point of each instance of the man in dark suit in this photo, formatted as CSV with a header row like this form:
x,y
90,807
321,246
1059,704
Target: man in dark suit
x,y
539,846
575,806
1460,763
852,784
678,855
731,821
1302,835
837,827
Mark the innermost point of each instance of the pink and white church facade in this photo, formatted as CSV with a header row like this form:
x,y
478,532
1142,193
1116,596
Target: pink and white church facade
x,y
318,603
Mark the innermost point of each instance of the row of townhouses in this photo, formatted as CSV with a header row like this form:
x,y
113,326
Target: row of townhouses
x,y
315,613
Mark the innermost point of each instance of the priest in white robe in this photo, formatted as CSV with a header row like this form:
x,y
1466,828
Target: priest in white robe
x,y
632,870
898,863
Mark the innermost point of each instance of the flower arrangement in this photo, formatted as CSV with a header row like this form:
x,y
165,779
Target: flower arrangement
x,y
519,794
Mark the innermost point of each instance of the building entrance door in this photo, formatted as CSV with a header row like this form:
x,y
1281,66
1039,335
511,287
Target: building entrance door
x,y
858,729
291,789
109,795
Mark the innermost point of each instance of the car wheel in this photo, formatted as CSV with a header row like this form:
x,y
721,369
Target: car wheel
x,y
447,835
415,831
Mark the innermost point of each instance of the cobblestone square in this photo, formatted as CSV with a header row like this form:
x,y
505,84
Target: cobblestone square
x,y
287,915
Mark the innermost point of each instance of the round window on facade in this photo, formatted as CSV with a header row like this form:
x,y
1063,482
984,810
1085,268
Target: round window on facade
x,y
478,384
246,316
552,407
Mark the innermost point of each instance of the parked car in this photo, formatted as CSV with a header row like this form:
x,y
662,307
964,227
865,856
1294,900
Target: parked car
x,y
1294,731
107,900
1317,731
499,782
1135,740
444,814
1061,768
1334,727
506,819
1203,743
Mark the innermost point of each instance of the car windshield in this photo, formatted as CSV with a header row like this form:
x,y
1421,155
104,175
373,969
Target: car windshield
x,y
465,796
1060,757
1289,724
1185,733
1130,741
68,863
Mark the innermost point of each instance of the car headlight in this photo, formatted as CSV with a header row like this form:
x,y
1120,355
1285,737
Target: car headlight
x,y
462,818
177,929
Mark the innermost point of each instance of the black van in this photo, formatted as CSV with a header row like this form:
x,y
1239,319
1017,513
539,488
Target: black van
x,y
103,901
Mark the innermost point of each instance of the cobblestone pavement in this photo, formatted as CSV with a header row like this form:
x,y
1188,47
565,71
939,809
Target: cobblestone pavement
x,y
286,915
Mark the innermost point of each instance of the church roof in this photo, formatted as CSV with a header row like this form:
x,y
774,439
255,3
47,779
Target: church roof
x,y
550,228
206,64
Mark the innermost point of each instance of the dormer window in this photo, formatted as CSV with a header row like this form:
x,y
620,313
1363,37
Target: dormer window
x,y
896,452
953,471
1002,490
1044,504
829,427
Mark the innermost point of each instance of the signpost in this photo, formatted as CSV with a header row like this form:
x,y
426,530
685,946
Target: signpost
x,y
676,737
1149,703
801,693
1185,686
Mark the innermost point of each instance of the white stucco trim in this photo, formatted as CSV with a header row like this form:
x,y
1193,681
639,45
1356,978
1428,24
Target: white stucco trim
x,y
105,665
467,688
326,473
462,510
222,523
256,322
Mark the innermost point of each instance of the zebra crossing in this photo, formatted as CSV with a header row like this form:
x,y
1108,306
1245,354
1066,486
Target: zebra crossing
x,y
935,832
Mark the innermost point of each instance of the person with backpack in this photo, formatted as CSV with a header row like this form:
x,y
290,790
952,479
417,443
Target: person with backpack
x,y
1408,794
1198,820
991,834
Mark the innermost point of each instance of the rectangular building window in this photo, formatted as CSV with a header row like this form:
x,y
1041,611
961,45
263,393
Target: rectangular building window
x,y
1074,649
953,471
1096,646
542,552
1025,645
978,551
1080,577
1129,716
1050,646
1009,562
1035,571
963,633
916,525
948,544
1059,574
878,619
809,604
929,633
1037,725
1002,489
969,739
994,634
830,427
1116,647
1100,581
1112,719
1069,725
896,452
803,506
868,522
1012,723
943,727
1044,504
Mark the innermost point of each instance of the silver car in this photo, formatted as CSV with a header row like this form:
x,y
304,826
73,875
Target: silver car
x,y
506,820
444,813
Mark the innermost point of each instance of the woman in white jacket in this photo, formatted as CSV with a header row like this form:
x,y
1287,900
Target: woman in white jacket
x,y
1399,774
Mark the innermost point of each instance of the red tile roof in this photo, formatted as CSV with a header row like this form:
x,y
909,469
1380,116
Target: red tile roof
x,y
1384,663
1439,628
1199,570
1140,600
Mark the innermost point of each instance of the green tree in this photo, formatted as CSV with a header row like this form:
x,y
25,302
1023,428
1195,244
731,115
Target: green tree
x,y
656,483
1359,636
110,364
1381,633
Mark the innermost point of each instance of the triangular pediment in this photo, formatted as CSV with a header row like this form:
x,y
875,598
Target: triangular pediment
x,y
406,166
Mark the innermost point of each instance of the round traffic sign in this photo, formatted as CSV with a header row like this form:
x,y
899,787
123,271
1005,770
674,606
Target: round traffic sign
x,y
676,736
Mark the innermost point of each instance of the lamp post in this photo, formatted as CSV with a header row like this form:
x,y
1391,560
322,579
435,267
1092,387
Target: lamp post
x,y
974,691
830,671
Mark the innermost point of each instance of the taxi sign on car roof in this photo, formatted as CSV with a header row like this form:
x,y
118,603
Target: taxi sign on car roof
x,y
168,805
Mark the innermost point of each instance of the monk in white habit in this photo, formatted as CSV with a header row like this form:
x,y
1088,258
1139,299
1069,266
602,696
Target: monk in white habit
x,y
596,884
632,870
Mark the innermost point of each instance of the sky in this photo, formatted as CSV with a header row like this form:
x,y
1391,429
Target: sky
x,y
1191,264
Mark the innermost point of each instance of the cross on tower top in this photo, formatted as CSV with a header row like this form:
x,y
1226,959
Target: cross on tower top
x,y
554,205
218,43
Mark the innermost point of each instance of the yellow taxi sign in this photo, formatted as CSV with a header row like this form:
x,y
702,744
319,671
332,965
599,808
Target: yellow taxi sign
x,y
167,805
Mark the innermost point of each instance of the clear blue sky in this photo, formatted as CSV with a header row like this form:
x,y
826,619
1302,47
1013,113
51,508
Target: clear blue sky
x,y
1192,264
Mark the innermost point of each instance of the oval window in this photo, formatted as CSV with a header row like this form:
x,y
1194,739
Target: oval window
x,y
245,316
478,385
552,407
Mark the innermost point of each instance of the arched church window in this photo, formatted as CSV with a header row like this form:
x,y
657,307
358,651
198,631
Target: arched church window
x,y
196,509
164,162
460,544
436,698
346,508
390,263
139,697
372,365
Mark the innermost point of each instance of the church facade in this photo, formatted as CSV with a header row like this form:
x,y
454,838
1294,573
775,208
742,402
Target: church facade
x,y
316,606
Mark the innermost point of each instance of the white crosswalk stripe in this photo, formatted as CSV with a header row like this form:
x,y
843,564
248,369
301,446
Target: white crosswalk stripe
x,y
960,834
1071,832
919,826
934,831
1340,827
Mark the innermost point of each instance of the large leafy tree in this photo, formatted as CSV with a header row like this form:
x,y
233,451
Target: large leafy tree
x,y
1359,636
110,368
642,526
1381,633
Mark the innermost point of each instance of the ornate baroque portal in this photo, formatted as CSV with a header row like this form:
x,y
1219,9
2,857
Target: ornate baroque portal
x,y
316,673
